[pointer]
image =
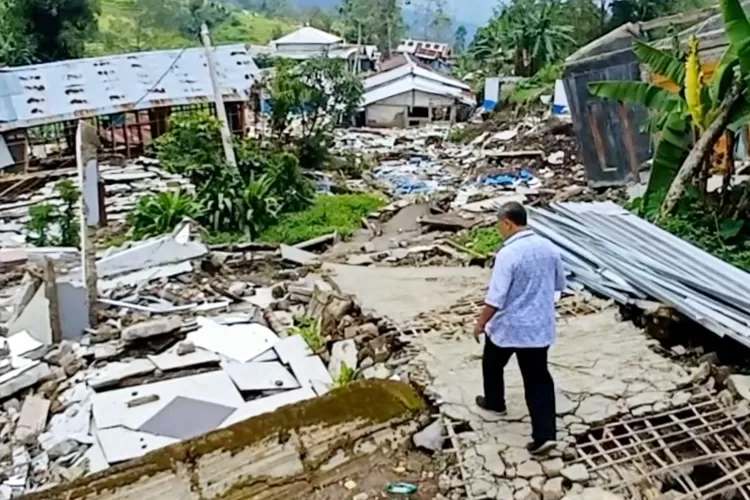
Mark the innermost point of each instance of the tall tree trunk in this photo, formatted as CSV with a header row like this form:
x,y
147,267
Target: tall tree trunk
x,y
726,183
702,148
705,172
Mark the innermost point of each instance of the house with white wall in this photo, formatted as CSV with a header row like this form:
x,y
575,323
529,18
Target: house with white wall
x,y
407,93
308,42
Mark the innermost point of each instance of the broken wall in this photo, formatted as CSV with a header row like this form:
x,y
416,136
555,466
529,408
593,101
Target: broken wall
x,y
267,457
382,115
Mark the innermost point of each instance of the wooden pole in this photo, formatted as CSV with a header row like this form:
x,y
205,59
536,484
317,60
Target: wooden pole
x,y
87,144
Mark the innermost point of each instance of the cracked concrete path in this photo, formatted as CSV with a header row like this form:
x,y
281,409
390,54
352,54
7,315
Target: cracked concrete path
x,y
602,368
402,293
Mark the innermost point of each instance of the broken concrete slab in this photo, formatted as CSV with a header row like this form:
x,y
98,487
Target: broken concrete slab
x,y
431,437
297,255
152,328
239,471
173,359
447,222
164,250
112,373
27,375
33,418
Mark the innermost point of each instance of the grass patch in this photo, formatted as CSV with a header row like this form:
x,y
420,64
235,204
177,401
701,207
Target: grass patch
x,y
483,240
340,213
347,375
309,329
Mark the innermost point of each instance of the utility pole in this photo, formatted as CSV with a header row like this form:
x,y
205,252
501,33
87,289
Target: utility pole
x,y
221,112
359,47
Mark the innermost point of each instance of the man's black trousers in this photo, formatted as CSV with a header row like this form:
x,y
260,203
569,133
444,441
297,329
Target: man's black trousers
x,y
537,383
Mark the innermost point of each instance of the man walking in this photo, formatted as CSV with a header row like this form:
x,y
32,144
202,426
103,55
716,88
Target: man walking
x,y
519,318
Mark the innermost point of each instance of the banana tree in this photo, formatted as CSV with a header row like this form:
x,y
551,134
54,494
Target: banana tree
x,y
735,110
677,116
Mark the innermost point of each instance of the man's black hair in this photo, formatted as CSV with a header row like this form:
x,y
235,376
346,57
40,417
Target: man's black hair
x,y
514,212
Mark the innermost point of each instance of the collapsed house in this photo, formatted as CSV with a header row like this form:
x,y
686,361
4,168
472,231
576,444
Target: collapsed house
x,y
436,54
407,93
129,99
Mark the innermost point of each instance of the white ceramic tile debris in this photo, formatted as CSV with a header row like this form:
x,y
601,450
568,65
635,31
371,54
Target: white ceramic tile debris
x,y
120,444
269,355
268,404
311,372
260,376
111,408
292,347
112,373
241,342
170,360
95,458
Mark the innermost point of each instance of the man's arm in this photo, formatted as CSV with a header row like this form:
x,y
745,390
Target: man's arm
x,y
502,276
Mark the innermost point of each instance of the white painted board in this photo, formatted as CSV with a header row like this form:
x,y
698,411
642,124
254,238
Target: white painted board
x,y
111,408
260,376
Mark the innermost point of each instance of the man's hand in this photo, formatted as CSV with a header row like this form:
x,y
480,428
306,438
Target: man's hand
x,y
484,317
478,330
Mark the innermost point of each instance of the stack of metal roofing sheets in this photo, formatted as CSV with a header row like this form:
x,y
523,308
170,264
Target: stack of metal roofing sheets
x,y
619,255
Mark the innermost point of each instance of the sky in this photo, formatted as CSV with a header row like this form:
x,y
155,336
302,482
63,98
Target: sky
x,y
473,11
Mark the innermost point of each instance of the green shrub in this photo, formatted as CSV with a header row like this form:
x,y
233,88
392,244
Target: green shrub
x,y
41,219
483,240
44,217
311,330
340,213
160,213
268,181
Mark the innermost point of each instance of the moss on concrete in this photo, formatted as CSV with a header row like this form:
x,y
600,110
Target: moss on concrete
x,y
376,401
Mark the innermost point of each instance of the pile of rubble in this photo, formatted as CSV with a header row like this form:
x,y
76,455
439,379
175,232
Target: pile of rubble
x,y
124,185
530,160
187,341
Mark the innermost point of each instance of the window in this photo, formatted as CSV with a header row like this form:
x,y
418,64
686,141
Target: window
x,y
419,112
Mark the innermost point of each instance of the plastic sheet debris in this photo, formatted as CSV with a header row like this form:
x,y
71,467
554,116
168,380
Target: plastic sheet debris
x,y
507,179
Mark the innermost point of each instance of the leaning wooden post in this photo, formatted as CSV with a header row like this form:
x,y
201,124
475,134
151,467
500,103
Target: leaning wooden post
x,y
87,143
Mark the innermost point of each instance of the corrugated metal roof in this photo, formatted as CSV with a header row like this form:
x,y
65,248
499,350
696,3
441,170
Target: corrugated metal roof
x,y
66,90
412,67
308,36
416,83
620,255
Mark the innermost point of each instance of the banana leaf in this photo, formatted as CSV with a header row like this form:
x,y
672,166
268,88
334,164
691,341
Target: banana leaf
x,y
673,148
740,116
723,78
660,62
649,96
737,29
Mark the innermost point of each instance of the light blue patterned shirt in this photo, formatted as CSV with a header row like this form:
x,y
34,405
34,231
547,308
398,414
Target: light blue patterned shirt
x,y
528,271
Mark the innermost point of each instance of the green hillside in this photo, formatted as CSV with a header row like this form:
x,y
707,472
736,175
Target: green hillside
x,y
120,30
